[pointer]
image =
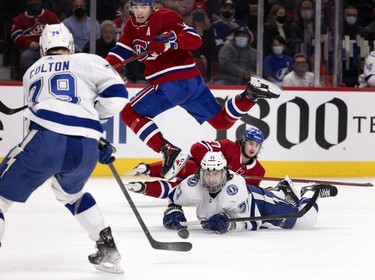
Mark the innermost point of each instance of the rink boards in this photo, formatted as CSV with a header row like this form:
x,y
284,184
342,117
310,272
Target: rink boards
x,y
309,132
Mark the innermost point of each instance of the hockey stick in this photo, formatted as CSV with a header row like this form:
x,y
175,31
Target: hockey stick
x,y
9,111
131,59
172,246
296,215
368,184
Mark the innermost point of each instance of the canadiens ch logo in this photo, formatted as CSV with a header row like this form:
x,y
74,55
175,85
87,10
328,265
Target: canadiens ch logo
x,y
140,46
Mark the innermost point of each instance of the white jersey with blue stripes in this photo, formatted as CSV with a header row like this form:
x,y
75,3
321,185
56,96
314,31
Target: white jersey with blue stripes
x,y
233,199
73,94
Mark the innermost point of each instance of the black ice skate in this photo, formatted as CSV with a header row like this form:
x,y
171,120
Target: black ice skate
x,y
141,169
107,257
287,187
137,187
173,160
260,88
325,190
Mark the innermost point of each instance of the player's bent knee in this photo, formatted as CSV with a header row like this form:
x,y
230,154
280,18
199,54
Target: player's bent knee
x,y
128,114
308,220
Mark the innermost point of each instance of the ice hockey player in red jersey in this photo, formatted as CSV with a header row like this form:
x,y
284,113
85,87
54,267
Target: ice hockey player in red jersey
x,y
242,157
174,80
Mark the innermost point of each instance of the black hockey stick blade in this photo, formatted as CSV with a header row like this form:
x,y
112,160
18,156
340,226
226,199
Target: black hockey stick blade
x,y
9,111
296,180
171,246
296,215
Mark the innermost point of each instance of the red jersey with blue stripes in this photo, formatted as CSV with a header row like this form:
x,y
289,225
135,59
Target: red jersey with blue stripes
x,y
172,65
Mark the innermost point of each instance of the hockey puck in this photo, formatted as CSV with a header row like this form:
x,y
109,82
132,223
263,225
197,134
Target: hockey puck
x,y
183,233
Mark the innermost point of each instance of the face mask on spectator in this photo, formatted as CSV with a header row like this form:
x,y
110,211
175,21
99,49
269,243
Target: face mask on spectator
x,y
281,19
199,16
300,68
351,20
79,12
277,50
34,8
227,14
240,41
306,15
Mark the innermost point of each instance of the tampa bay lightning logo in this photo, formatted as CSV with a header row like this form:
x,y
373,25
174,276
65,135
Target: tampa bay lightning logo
x,y
232,189
192,182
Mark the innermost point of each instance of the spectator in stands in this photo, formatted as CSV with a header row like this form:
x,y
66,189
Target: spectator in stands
x,y
277,65
106,41
225,26
62,8
185,7
204,55
237,60
301,32
290,6
123,18
351,26
79,25
274,26
26,30
213,9
300,76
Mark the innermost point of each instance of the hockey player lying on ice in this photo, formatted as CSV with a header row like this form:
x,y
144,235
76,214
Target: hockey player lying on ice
x,y
219,194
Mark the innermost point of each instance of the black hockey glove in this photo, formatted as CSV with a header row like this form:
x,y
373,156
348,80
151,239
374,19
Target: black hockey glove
x,y
173,216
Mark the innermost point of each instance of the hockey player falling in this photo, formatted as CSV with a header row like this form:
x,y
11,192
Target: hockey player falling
x,y
174,80
220,194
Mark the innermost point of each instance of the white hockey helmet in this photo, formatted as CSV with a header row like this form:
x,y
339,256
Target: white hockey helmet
x,y
213,172
56,36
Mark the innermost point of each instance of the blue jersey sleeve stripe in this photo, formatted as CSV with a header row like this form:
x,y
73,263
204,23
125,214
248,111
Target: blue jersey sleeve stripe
x,y
148,131
121,51
118,90
68,120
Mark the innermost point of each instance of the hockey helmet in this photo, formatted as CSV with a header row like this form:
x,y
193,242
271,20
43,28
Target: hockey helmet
x,y
55,36
253,134
151,2
213,171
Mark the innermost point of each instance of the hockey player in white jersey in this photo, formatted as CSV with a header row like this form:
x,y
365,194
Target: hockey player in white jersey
x,y
367,77
68,96
219,194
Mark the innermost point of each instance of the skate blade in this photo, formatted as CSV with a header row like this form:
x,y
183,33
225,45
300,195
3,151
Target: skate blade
x,y
110,268
264,85
178,164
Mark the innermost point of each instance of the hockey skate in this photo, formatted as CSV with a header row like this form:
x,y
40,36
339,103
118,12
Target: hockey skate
x,y
287,187
107,257
137,187
141,169
173,161
325,190
260,88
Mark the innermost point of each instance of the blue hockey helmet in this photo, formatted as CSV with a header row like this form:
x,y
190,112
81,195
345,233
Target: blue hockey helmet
x,y
151,2
253,134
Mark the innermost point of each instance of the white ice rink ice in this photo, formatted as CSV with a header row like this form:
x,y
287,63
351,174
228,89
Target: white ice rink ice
x,y
43,241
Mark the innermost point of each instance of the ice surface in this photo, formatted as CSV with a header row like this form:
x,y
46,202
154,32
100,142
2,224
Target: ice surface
x,y
43,241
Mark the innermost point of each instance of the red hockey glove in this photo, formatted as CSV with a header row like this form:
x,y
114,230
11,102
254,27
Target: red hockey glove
x,y
162,43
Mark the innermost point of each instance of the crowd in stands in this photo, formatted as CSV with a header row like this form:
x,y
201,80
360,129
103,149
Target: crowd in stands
x,y
228,28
